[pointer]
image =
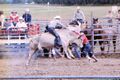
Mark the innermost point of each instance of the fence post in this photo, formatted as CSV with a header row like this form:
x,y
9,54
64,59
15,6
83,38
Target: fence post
x,y
92,29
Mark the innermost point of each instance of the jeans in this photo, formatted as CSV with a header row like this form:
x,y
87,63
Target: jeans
x,y
80,20
88,49
76,51
14,23
57,41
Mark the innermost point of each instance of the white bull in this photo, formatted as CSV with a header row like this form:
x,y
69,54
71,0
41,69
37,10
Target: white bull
x,y
46,40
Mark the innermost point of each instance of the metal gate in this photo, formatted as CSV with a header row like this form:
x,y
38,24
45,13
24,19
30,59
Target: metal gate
x,y
108,43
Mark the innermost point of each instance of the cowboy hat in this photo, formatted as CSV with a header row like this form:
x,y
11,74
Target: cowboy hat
x,y
57,17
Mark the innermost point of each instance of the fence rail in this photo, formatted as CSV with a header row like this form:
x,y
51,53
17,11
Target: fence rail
x,y
8,34
63,77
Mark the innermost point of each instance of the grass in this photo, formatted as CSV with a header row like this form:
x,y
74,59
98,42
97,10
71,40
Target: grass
x,y
43,12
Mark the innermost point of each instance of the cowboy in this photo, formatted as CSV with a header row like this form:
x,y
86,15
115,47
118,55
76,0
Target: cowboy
x,y
75,48
79,16
27,16
87,49
55,23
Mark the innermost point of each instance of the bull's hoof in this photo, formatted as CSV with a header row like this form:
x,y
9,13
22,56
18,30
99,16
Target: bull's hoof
x,y
95,61
27,63
73,57
69,57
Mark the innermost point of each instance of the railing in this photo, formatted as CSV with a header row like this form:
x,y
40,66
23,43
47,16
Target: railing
x,y
42,23
63,77
104,24
12,33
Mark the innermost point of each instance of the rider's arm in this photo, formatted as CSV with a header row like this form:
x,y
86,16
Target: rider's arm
x,y
59,25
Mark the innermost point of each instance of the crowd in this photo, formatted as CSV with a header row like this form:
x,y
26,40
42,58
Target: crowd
x,y
15,21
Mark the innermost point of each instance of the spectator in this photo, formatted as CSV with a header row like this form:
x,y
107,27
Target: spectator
x,y
110,17
118,15
1,19
27,16
14,17
8,23
21,25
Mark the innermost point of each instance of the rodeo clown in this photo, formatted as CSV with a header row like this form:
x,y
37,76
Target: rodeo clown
x,y
87,49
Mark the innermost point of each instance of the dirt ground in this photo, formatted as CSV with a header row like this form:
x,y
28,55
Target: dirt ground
x,y
108,65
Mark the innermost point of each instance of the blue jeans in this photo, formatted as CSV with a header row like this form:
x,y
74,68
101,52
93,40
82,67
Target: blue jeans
x,y
80,20
88,49
76,51
57,42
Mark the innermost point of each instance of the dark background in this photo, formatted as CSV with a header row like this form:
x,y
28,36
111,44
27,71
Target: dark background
x,y
66,2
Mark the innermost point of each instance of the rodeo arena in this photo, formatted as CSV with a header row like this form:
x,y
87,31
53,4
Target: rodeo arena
x,y
58,48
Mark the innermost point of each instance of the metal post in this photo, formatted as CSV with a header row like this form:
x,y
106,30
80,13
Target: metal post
x,y
92,29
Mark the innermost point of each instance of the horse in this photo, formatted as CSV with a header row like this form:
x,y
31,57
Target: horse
x,y
46,40
98,29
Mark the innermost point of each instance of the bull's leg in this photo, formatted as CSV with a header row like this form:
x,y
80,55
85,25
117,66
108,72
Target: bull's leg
x,y
114,43
102,46
108,42
53,53
66,52
70,52
31,52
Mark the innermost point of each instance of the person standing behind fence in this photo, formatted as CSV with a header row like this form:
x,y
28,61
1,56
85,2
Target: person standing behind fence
x,y
118,16
79,16
1,19
14,17
27,16
109,17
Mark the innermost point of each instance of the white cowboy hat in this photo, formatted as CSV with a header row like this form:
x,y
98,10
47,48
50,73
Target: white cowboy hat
x,y
27,10
21,18
78,8
57,17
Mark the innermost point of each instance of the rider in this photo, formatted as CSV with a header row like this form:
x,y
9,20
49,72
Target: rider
x,y
79,16
55,24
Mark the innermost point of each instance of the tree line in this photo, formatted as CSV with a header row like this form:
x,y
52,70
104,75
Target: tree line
x,y
67,2
15,1
79,2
